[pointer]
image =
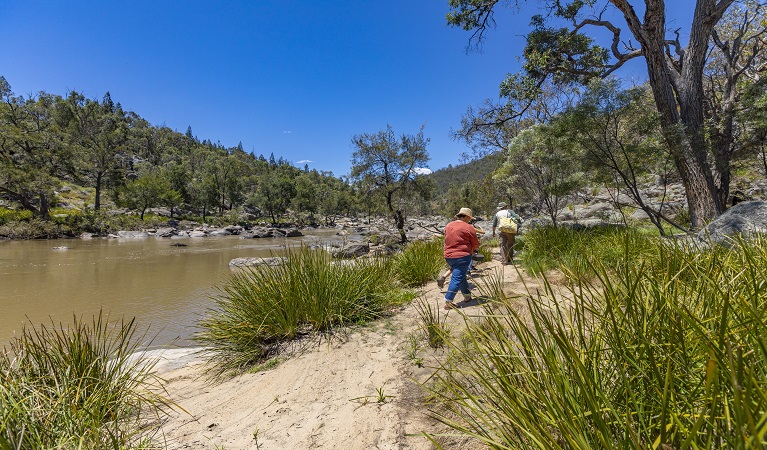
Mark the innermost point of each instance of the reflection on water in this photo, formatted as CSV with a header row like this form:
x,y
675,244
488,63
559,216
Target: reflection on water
x,y
166,288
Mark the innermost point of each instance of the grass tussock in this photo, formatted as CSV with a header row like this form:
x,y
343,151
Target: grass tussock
x,y
420,262
574,251
667,351
78,387
433,324
262,308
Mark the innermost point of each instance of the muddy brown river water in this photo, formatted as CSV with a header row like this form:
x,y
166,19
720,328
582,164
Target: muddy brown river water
x,y
166,288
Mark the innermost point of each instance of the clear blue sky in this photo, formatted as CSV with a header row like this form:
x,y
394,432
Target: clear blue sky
x,y
296,78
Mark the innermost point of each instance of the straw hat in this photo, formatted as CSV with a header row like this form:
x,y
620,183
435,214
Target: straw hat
x,y
465,212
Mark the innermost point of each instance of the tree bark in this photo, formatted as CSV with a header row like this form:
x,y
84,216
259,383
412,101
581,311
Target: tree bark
x,y
678,94
97,201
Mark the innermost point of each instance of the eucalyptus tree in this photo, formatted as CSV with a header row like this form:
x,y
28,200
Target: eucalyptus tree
x,y
98,133
561,49
542,168
150,189
275,191
391,166
619,136
738,55
32,158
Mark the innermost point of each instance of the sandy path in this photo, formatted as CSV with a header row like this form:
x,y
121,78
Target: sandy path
x,y
326,397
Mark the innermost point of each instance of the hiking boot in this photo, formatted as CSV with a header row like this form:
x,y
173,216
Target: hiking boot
x,y
450,305
466,297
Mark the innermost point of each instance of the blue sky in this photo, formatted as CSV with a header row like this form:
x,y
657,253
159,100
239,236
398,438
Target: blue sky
x,y
296,78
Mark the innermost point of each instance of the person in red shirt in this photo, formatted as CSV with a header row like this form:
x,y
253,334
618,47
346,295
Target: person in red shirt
x,y
460,242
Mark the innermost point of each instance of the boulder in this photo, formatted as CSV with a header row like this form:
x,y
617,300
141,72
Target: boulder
x,y
233,229
248,262
352,250
131,234
747,219
219,232
165,232
198,234
293,232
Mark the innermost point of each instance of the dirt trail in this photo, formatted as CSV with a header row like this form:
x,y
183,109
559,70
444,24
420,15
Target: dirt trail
x,y
325,397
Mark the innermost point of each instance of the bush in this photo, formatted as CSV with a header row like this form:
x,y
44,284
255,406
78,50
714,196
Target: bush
x,y
670,352
77,387
261,308
420,262
12,215
31,229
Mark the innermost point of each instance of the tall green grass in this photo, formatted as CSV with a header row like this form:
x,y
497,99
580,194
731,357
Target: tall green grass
x,y
262,308
78,387
420,262
573,251
669,352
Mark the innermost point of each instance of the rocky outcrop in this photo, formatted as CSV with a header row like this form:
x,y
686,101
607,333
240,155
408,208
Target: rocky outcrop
x,y
248,262
745,219
352,250
130,235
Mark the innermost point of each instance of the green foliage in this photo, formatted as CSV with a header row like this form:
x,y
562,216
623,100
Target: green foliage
x,y
542,168
420,262
390,168
12,215
468,185
78,386
98,147
668,352
31,229
262,308
573,251
433,323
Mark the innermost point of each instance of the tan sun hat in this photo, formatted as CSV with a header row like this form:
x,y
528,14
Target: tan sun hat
x,y
502,205
465,212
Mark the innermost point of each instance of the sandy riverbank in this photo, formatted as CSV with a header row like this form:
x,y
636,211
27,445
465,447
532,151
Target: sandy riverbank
x,y
324,397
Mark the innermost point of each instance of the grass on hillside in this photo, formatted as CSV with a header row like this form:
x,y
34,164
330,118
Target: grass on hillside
x,y
78,386
654,346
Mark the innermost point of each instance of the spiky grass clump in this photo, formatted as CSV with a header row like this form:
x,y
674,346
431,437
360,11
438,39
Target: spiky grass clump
x,y
78,387
420,262
433,324
264,307
573,250
669,353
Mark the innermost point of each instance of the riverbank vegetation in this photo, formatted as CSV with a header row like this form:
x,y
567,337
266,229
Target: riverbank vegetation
x,y
264,309
79,386
653,344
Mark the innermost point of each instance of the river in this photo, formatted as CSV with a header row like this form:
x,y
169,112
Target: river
x,y
166,288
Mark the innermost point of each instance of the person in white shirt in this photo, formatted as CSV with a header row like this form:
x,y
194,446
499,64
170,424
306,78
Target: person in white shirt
x,y
507,238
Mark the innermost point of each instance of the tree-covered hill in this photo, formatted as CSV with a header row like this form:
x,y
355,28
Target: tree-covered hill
x,y
48,142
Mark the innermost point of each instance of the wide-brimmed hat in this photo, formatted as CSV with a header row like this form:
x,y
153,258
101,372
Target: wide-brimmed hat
x,y
502,205
465,212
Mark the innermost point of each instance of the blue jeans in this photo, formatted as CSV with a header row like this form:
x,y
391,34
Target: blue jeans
x,y
458,282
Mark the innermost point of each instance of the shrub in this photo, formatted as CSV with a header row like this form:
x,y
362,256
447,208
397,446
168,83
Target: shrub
x,y
77,387
420,262
670,352
12,215
261,308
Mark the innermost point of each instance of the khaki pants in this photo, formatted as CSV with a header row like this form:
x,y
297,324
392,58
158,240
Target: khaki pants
x,y
507,246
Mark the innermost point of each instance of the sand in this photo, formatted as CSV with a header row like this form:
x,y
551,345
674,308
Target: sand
x,y
327,396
